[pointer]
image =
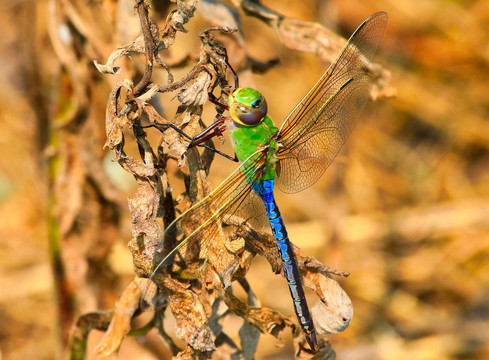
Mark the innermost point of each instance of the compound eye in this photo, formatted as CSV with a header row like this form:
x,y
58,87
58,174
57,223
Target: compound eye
x,y
262,106
252,116
248,117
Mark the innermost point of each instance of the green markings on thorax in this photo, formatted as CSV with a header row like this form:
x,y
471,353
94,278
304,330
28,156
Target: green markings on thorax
x,y
248,139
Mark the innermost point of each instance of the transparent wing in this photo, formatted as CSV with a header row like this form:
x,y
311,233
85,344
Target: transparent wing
x,y
317,128
207,225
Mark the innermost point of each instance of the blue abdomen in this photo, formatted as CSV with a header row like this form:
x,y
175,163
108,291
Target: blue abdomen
x,y
289,263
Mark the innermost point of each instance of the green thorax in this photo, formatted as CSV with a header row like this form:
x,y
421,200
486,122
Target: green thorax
x,y
248,139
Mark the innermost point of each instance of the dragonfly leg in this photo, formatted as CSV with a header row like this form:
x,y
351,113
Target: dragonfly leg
x,y
212,98
235,158
213,130
215,101
156,124
236,79
200,138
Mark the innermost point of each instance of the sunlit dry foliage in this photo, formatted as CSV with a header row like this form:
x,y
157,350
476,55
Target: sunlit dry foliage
x,y
403,210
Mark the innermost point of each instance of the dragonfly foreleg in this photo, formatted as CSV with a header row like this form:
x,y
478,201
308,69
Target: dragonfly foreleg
x,y
213,99
197,140
235,158
156,125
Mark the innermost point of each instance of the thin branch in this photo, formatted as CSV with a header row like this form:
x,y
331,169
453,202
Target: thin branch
x,y
149,44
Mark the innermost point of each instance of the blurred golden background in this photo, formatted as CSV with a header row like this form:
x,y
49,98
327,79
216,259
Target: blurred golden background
x,y
404,208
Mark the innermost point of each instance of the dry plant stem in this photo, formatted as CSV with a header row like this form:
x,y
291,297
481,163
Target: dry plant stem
x,y
69,60
86,323
120,324
178,84
149,44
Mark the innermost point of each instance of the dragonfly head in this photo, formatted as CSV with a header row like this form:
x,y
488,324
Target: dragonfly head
x,y
247,106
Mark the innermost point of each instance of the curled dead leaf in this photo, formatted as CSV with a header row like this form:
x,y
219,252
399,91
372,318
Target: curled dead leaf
x,y
136,46
334,310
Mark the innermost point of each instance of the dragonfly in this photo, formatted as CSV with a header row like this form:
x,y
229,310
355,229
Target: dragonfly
x,y
293,156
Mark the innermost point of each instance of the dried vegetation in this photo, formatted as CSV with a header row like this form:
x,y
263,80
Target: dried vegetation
x,y
404,210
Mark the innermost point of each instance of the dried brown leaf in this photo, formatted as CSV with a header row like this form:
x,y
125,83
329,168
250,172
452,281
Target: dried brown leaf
x,y
196,92
189,312
146,231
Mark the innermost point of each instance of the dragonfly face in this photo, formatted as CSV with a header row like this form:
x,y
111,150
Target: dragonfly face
x,y
247,107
